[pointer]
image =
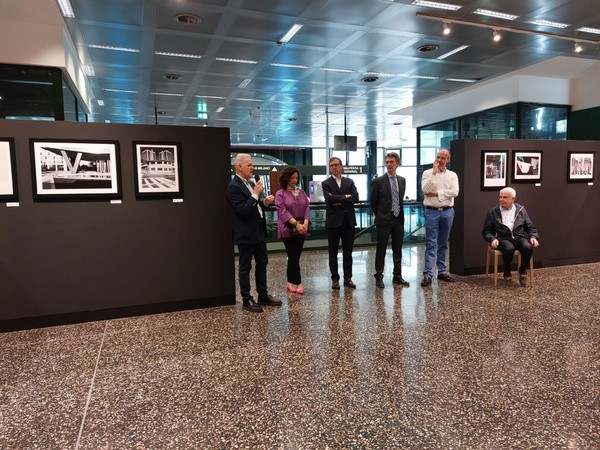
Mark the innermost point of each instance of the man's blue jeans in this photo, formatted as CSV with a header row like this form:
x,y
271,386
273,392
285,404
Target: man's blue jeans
x,y
437,231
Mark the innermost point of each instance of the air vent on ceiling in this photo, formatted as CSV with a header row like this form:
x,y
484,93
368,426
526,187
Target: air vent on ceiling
x,y
187,19
172,76
428,48
370,79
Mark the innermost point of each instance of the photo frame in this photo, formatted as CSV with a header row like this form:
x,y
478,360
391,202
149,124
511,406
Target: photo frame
x,y
580,167
158,169
8,171
494,169
74,169
527,166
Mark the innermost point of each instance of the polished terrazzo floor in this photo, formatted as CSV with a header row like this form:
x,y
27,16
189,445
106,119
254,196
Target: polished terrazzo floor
x,y
452,366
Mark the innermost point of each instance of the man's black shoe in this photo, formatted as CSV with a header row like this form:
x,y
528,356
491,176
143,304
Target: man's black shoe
x,y
335,284
379,283
267,300
446,277
348,283
426,281
400,280
252,306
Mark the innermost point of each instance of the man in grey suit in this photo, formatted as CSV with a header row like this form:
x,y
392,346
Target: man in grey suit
x,y
340,196
387,193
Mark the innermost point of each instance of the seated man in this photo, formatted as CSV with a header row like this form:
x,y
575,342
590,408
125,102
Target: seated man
x,y
508,228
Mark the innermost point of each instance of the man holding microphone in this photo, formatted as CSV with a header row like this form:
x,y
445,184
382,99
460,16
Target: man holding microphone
x,y
249,232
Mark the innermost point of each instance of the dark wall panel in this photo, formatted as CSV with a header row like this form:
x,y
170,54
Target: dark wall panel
x,y
68,257
566,214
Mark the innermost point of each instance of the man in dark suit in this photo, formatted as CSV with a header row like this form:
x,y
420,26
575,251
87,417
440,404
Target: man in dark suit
x,y
387,193
249,231
340,196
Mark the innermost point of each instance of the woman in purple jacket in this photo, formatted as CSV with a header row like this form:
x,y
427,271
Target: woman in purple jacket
x,y
293,220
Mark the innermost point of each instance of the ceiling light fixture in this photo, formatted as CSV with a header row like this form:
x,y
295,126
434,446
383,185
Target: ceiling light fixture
x,y
589,30
118,49
577,48
88,69
241,61
461,80
446,29
120,90
497,15
100,102
245,83
438,5
180,55
333,69
547,23
66,9
496,35
210,96
508,29
293,66
452,52
187,19
220,108
291,33
169,94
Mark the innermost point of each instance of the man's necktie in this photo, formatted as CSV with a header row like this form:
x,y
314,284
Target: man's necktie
x,y
395,197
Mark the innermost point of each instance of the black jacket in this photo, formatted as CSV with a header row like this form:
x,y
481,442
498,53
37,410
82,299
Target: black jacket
x,y
493,228
338,204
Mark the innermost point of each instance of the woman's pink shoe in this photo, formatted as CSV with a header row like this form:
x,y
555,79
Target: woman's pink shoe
x,y
299,290
292,289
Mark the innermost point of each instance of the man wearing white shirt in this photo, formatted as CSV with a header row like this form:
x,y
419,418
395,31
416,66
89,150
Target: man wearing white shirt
x,y
440,186
508,228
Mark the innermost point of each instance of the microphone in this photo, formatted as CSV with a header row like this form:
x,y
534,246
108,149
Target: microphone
x,y
257,178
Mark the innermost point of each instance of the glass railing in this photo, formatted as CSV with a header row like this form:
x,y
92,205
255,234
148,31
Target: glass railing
x,y
365,233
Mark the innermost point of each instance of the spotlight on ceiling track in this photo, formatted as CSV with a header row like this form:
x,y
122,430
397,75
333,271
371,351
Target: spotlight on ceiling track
x,y
577,48
446,29
497,36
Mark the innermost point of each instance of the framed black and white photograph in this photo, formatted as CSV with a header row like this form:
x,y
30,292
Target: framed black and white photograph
x,y
493,169
158,169
580,167
75,169
527,166
8,171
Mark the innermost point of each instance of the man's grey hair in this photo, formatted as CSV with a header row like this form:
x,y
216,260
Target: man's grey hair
x,y
240,157
510,191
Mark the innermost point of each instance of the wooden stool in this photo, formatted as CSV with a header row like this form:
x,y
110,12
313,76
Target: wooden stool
x,y
497,253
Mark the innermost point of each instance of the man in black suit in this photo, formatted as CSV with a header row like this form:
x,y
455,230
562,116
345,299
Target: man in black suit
x,y
249,231
340,196
387,193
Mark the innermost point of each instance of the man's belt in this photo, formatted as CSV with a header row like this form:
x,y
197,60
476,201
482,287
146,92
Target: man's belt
x,y
441,208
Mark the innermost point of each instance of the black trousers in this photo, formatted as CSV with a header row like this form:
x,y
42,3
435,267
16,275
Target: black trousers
x,y
395,228
508,247
293,248
247,252
346,234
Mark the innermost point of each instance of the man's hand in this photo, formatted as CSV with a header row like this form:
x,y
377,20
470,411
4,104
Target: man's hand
x,y
258,188
495,244
436,167
534,242
269,200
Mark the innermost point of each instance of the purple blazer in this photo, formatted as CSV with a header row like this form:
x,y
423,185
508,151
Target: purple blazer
x,y
289,206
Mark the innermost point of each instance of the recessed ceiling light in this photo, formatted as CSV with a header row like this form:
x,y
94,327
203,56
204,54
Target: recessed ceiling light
x,y
589,30
180,55
169,94
245,83
291,33
452,52
547,23
241,61
210,96
461,80
118,49
293,66
66,9
187,19
437,5
333,69
220,108
100,102
88,69
498,15
241,99
120,90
